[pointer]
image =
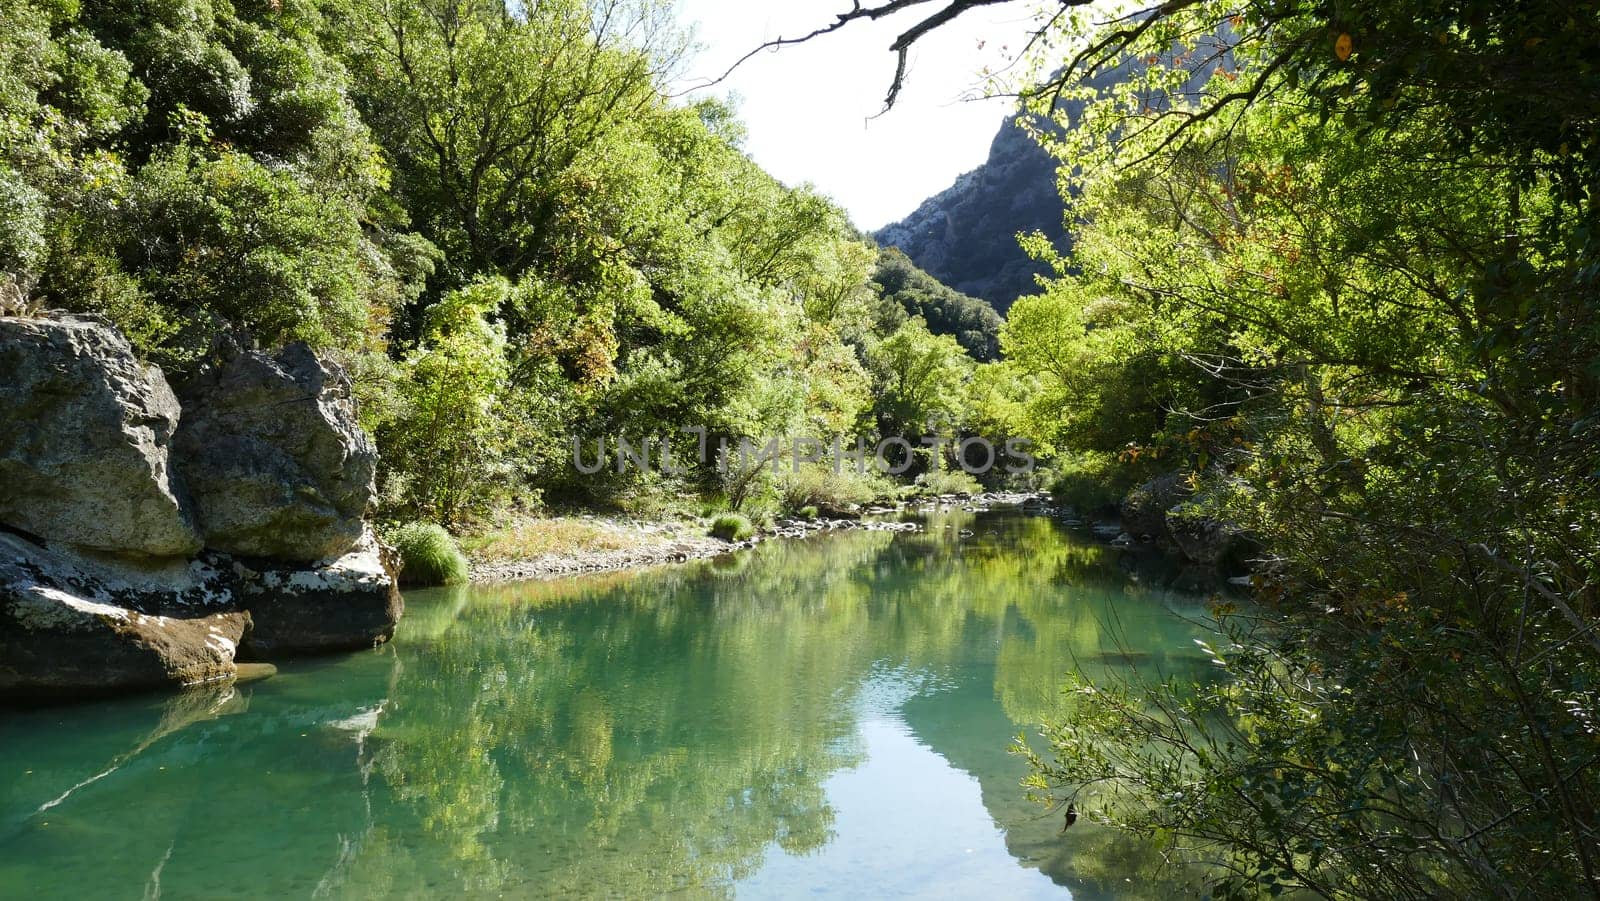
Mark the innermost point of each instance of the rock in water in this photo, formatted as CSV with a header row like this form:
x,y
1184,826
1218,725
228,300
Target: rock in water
x,y
101,588
1200,538
84,437
1144,510
74,626
346,604
273,457
255,672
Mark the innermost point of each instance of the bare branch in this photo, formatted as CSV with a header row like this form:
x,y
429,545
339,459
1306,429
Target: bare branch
x,y
902,44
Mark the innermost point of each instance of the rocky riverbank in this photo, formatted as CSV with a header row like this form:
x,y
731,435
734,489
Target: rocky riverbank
x,y
613,544
154,535
646,544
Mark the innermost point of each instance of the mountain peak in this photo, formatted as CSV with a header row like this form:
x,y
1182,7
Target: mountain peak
x,y
966,236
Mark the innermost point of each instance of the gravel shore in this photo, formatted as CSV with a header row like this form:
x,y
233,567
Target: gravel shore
x,y
657,543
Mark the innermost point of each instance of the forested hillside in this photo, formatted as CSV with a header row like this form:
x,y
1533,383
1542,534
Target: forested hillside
x,y
493,217
972,322
966,236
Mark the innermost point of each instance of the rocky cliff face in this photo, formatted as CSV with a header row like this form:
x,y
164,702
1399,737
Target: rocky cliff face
x,y
146,543
966,236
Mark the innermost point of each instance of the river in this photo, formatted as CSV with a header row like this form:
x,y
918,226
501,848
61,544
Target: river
x,y
829,717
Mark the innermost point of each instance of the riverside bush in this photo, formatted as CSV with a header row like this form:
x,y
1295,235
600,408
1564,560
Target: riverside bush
x,y
1090,482
823,489
940,482
732,527
429,555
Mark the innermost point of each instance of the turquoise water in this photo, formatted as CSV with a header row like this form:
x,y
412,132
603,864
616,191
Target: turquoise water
x,y
819,718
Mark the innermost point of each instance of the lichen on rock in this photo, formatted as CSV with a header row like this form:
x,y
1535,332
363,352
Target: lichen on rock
x,y
72,627
143,545
344,604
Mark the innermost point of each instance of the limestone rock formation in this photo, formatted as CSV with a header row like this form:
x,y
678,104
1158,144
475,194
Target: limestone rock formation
x,y
74,626
273,457
349,603
108,492
966,236
85,435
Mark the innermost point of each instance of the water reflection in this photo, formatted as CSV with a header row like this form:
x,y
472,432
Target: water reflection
x,y
827,716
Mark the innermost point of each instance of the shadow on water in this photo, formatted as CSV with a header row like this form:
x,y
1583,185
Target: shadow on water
x,y
826,716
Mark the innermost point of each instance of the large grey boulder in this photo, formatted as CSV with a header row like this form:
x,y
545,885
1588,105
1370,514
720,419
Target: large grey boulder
x,y
273,457
73,626
1199,537
85,430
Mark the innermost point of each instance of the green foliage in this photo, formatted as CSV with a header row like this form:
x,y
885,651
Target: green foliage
x,y
945,482
732,527
972,322
808,513
1093,481
188,169
819,487
499,124
450,442
224,242
1346,272
923,379
429,555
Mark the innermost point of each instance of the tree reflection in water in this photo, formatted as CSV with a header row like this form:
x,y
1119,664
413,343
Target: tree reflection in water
x,y
625,734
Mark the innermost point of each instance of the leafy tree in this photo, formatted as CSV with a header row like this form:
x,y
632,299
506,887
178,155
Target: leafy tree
x,y
221,241
450,444
61,93
970,321
189,168
921,381
489,114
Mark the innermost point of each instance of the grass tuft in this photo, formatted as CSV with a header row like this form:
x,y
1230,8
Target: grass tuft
x,y
941,482
732,527
535,538
429,555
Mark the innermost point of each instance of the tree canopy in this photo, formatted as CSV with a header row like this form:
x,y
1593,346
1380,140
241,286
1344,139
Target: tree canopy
x,y
1335,266
492,214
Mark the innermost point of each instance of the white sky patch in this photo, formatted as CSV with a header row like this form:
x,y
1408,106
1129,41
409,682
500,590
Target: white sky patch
x,y
809,108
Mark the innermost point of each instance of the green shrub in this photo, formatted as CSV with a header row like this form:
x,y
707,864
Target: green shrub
x,y
819,487
450,449
428,555
940,482
1093,482
732,527
809,513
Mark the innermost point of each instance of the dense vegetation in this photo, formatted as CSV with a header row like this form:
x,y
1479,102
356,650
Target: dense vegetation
x,y
491,214
1347,287
974,324
1336,265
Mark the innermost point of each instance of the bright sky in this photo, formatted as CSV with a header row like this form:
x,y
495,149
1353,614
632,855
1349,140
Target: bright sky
x,y
809,107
